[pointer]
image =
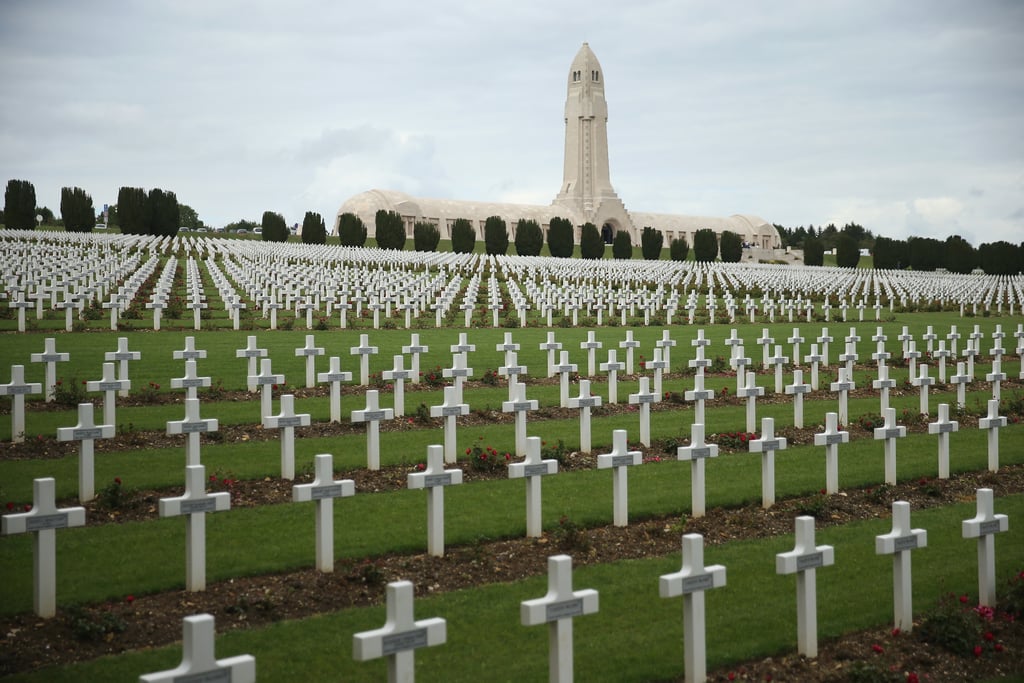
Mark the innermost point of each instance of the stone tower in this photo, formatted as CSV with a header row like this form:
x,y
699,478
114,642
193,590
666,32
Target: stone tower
x,y
586,181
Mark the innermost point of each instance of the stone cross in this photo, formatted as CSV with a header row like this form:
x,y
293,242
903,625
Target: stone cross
x,y
458,372
198,662
507,346
734,343
618,460
943,426
824,340
123,356
532,469
51,358
512,370
42,521
452,408
953,337
323,490
923,381
415,349
766,342
983,526
192,426
691,581
287,420
612,367
905,338
740,363
334,376
194,505
696,453
797,389
995,377
267,380
551,346
814,358
17,388
434,479
843,385
591,345
803,561
557,609
109,385
373,414
584,402
830,439
889,432
520,406
779,361
898,543
929,337
766,445
364,351
849,358
190,382
659,366
969,353
880,355
795,340
961,379
310,351
190,352
644,398
564,369
629,344
912,354
884,383
85,432
942,353
251,352
751,391
993,422
398,374
400,636
698,395
666,344
22,304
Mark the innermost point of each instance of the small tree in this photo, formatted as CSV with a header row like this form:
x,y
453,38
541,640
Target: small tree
x,y
591,244
495,236
390,233
20,205
730,246
958,255
76,210
622,246
529,238
463,236
425,236
314,230
560,242
847,251
131,210
274,227
351,230
679,249
161,213
188,218
814,251
651,242
705,245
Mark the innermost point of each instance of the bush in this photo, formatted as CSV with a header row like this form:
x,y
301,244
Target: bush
x,y
425,236
390,230
591,244
560,242
705,245
351,230
814,252
529,238
651,241
847,251
76,210
731,247
314,230
622,246
274,227
958,255
463,236
679,249
20,205
495,236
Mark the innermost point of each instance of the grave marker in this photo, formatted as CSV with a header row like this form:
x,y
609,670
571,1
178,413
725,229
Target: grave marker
x,y
364,351
830,439
751,391
696,453
400,636
591,345
629,344
398,374
123,356
323,490
584,402
17,388
51,358
198,662
890,431
190,382
995,377
251,352
194,505
884,383
532,469
109,385
766,445
644,398
267,380
564,370
452,408
310,351
618,460
803,561
287,420
334,376
612,367
415,349
961,379
698,395
372,414
797,389
85,432
434,479
520,406
551,346
844,385
898,543
983,526
993,422
943,426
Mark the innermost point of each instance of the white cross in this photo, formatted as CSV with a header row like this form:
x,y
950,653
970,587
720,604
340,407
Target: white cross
x,y
905,337
364,351
398,374
584,402
591,345
310,351
666,344
898,543
795,340
644,398
267,380
334,376
943,426
463,347
983,526
660,366
734,343
400,636
18,388
923,381
993,422
814,358
416,349
564,369
190,352
109,385
880,355
532,469
434,479
629,344
889,432
198,662
287,420
995,377
803,561
696,453
123,356
830,439
190,382
824,340
843,385
942,353
618,460
740,363
797,389
698,395
766,445
51,358
252,353
912,354
884,383
691,581
765,341
850,357
520,406
85,432
194,505
699,362
551,346
452,408
779,361
42,521
969,353
952,337
557,609
751,391
373,414
512,370
458,372
323,490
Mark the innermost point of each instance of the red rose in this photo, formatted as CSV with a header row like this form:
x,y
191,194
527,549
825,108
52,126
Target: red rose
x,y
977,650
117,480
130,599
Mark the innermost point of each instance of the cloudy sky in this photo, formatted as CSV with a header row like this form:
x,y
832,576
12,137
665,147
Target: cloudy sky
x,y
906,117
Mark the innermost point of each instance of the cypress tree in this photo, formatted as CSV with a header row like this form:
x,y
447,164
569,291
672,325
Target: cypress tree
x,y
425,236
651,242
76,210
560,242
529,238
679,249
495,236
351,230
20,205
705,245
731,247
591,244
314,230
622,246
463,236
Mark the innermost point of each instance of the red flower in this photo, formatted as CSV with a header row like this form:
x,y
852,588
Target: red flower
x,y
989,636
963,598
27,507
10,505
878,649
468,451
895,632
130,599
912,678
998,647
743,437
117,480
823,492
977,650
731,676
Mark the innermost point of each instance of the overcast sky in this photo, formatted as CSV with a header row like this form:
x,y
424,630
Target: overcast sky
x,y
906,117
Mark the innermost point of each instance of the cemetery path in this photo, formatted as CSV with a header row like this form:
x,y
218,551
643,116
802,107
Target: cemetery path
x,y
88,631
